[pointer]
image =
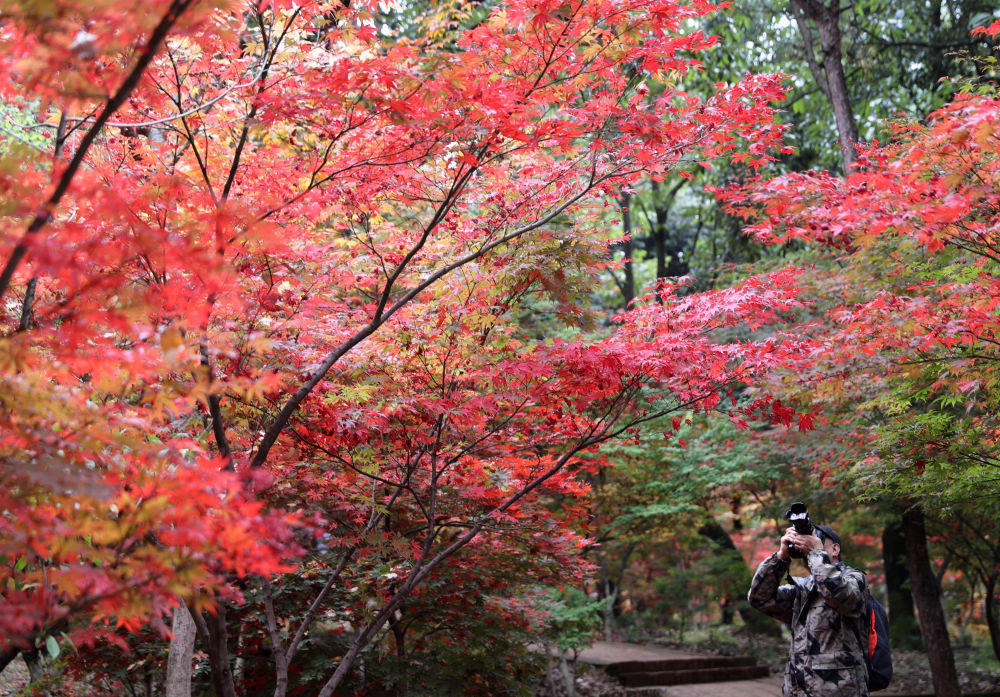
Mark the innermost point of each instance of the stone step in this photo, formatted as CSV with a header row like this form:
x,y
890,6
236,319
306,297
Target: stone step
x,y
760,687
686,676
690,663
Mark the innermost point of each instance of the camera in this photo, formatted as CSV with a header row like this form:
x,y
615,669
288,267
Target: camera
x,y
798,516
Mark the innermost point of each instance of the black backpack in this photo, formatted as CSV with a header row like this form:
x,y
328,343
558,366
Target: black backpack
x,y
878,657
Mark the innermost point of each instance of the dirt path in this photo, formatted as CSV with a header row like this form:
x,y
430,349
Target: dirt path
x,y
764,687
603,653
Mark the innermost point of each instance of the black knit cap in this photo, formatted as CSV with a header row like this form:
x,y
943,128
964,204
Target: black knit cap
x,y
827,533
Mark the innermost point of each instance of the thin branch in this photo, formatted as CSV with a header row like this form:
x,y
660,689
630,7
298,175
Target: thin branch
x,y
27,307
277,648
157,122
215,410
261,80
810,53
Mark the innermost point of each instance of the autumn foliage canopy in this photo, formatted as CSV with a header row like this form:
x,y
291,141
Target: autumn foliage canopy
x,y
260,299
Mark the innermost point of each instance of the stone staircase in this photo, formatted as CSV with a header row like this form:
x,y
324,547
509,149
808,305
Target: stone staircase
x,y
684,671
645,670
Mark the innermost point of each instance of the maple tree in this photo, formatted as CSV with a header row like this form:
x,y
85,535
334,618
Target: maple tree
x,y
258,307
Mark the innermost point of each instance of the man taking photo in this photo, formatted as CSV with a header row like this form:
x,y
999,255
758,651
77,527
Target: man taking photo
x,y
824,611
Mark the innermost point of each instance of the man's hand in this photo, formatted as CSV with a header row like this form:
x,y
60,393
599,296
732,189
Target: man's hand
x,y
786,539
804,543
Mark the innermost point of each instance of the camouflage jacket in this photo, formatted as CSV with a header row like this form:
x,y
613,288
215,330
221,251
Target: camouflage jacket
x,y
826,614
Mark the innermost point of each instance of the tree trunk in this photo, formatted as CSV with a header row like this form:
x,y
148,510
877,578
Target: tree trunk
x,y
993,611
178,680
671,261
728,611
660,242
6,656
904,632
550,669
755,622
628,249
36,671
933,627
827,20
399,636
217,648
609,592
27,312
569,679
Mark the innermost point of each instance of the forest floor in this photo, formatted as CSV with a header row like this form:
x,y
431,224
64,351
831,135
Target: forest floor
x,y
912,670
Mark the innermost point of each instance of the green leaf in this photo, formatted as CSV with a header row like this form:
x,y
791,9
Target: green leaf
x,y
52,646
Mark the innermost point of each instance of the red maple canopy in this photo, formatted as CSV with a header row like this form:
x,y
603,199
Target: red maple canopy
x,y
265,289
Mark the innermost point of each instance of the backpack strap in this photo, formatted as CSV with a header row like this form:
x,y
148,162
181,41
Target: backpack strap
x,y
872,630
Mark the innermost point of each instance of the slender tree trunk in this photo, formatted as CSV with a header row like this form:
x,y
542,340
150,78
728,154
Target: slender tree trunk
x,y
993,611
728,610
27,307
239,659
217,647
659,232
904,632
670,249
609,592
827,21
178,680
933,627
628,249
567,674
399,636
550,669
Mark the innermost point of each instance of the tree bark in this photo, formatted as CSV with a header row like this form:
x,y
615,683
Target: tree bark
x,y
660,242
6,656
756,622
27,307
904,632
669,249
628,249
36,671
933,627
215,636
178,680
401,688
568,678
608,591
827,21
993,611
